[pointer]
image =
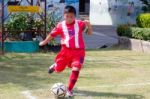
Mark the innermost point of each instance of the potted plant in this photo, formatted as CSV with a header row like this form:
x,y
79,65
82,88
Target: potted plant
x,y
19,40
16,23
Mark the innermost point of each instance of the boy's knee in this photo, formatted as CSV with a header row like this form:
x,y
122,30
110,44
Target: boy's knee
x,y
58,70
75,69
59,67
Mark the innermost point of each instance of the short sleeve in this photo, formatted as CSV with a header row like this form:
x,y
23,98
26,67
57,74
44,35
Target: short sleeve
x,y
56,31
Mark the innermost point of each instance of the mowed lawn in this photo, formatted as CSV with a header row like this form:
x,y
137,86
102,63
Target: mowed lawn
x,y
107,74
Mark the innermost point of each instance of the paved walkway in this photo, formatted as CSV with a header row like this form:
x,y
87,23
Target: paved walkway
x,y
103,36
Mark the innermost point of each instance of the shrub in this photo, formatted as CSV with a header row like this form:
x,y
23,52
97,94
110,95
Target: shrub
x,y
140,33
16,23
124,30
143,20
134,32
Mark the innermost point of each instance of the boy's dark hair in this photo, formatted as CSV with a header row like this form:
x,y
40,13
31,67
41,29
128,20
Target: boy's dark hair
x,y
70,9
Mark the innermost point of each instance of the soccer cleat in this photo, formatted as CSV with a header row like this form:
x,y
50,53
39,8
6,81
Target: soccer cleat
x,y
69,93
51,69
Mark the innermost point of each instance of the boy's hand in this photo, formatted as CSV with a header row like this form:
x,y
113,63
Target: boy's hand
x,y
89,27
87,23
42,43
48,38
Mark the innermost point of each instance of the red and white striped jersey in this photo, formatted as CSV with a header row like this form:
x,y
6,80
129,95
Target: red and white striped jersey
x,y
71,34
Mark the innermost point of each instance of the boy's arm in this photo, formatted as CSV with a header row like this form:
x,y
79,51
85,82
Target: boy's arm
x,y
89,27
48,38
56,31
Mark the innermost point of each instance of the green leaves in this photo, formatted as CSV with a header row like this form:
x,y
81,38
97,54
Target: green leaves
x,y
140,33
38,23
143,20
124,30
17,22
134,32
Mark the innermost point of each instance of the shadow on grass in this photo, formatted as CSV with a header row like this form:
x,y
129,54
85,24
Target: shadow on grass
x,y
26,71
29,80
108,95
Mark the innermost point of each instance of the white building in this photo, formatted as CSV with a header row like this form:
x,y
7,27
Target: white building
x,y
114,12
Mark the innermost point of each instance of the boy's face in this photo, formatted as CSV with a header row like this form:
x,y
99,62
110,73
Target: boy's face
x,y
69,17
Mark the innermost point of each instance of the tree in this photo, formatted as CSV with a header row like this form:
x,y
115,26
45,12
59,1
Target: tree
x,y
146,7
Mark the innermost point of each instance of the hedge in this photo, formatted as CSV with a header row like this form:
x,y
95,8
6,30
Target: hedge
x,y
124,30
134,32
143,20
140,33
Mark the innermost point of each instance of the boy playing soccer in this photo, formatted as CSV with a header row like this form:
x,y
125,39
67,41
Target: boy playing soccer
x,y
73,50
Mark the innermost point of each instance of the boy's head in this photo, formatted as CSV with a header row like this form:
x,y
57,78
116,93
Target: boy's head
x,y
69,14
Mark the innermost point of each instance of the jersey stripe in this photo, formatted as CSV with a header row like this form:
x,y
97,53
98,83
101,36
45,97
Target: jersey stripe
x,y
76,29
65,30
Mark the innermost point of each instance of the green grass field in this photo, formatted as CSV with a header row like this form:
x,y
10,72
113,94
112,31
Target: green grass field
x,y
107,74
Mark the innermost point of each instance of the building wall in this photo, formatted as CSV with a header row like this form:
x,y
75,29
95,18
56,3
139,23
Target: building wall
x,y
114,12
51,5
0,15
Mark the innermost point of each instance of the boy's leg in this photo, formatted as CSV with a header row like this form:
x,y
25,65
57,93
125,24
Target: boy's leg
x,y
59,66
51,69
60,63
73,79
76,65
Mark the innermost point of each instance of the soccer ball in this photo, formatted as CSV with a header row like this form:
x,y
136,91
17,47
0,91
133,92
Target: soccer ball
x,y
59,90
